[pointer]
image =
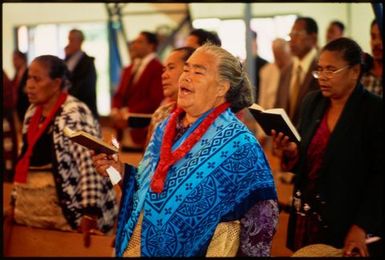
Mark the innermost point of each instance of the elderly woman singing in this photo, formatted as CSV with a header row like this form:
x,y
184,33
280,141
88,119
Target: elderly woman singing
x,y
203,177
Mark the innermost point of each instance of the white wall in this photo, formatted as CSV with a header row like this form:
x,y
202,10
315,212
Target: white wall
x,y
356,16
361,16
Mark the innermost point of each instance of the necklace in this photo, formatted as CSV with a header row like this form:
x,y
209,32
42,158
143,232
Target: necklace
x,y
167,157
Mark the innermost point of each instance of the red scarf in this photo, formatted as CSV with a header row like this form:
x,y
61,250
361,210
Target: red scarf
x,y
33,134
167,157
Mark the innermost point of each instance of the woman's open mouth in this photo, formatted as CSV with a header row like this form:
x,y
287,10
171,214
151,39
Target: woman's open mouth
x,y
184,90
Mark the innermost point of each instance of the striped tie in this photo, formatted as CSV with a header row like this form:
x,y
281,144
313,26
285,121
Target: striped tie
x,y
294,91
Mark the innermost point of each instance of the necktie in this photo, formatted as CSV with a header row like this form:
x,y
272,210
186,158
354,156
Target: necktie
x,y
135,71
294,91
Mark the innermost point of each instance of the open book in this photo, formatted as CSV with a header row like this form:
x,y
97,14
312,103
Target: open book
x,y
91,142
275,118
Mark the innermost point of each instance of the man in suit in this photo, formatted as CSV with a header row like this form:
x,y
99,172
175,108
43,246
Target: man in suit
x,y
139,91
296,80
83,72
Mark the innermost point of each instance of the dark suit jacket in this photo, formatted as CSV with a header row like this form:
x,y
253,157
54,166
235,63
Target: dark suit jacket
x,y
309,83
350,180
83,79
143,96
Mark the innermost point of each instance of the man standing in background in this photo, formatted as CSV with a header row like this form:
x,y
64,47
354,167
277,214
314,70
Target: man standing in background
x,y
83,72
296,80
139,90
269,78
259,63
270,74
335,30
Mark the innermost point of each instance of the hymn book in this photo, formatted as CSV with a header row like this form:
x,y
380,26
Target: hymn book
x,y
90,142
277,119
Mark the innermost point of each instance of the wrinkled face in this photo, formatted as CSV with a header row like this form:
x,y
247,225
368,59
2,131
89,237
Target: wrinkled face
x,y
376,42
173,68
140,47
300,41
192,41
340,84
333,32
199,86
40,87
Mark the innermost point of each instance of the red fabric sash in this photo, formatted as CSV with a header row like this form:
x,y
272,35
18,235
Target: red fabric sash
x,y
167,157
33,134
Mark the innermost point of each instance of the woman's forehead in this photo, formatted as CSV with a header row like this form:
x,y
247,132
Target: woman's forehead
x,y
331,59
331,55
38,67
202,59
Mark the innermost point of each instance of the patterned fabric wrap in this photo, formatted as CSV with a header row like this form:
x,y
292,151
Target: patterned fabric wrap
x,y
80,189
36,203
221,172
258,228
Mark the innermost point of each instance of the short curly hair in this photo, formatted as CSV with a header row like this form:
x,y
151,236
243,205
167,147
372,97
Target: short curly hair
x,y
230,69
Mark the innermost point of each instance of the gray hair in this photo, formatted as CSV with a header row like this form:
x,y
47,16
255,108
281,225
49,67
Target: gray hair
x,y
280,43
230,69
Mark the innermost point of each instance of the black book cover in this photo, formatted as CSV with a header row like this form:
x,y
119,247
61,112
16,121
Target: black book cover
x,y
138,121
276,119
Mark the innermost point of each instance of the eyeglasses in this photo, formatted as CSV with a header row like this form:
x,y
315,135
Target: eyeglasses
x,y
327,73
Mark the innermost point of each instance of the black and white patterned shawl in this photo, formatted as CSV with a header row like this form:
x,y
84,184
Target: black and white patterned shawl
x,y
80,188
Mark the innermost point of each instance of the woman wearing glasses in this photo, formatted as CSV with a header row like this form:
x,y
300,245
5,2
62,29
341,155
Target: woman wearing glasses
x,y
337,196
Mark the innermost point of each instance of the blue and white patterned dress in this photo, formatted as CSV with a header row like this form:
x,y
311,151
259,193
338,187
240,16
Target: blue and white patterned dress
x,y
220,179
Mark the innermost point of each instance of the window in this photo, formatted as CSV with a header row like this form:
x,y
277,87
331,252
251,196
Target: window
x,y
269,29
52,38
232,33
